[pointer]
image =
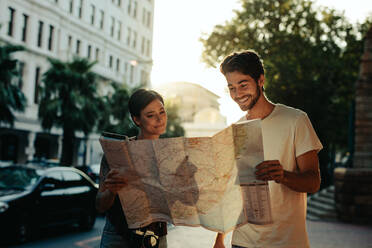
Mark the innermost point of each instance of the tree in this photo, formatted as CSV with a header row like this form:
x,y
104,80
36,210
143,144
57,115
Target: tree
x,y
174,127
69,100
115,117
311,59
11,96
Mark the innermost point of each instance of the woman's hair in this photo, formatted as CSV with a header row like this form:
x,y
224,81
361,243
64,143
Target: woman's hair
x,y
140,99
247,62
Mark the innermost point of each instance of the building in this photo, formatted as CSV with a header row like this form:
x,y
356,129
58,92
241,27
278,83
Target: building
x,y
117,34
198,108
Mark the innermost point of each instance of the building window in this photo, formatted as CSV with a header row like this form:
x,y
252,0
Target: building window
x,y
117,65
11,21
97,54
69,42
40,34
78,47
102,19
143,45
71,6
21,69
149,19
128,36
24,28
92,17
131,74
144,12
148,48
112,26
89,51
119,3
50,40
134,39
37,79
135,9
81,9
119,30
129,7
110,61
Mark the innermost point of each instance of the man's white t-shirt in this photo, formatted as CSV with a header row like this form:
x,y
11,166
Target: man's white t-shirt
x,y
287,133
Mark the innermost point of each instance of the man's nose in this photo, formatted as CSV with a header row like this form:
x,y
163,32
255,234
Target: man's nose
x,y
239,93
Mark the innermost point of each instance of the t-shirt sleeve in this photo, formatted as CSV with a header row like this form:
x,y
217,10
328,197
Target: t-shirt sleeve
x,y
305,137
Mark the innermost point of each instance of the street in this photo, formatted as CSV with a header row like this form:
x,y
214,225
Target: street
x,y
321,235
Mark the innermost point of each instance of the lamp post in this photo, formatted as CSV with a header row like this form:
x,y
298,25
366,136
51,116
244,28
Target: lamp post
x,y
145,75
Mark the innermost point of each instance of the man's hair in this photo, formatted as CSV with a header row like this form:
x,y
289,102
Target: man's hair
x,y
140,99
247,62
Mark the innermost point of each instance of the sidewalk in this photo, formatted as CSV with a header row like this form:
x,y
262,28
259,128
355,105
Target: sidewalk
x,y
321,235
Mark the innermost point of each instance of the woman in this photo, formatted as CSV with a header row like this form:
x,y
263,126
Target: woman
x,y
147,111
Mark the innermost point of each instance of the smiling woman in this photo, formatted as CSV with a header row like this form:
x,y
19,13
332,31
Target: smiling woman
x,y
147,111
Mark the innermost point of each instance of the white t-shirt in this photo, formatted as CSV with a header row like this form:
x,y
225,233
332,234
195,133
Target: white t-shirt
x,y
287,133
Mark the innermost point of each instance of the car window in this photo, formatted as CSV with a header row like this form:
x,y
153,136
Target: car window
x,y
54,177
13,177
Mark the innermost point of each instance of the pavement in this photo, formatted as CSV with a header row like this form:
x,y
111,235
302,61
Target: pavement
x,y
322,234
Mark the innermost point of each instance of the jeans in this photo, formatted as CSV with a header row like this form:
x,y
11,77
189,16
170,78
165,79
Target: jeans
x,y
110,239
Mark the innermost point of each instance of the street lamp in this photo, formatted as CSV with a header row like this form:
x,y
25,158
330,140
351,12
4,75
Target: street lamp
x,y
135,62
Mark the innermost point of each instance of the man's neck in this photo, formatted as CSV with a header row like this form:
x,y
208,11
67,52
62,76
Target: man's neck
x,y
261,109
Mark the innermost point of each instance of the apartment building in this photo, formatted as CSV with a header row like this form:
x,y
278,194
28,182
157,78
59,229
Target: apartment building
x,y
115,33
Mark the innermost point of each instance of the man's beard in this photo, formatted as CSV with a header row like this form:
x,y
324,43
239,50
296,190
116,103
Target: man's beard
x,y
254,100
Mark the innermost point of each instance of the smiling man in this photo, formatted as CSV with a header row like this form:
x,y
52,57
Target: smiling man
x,y
291,164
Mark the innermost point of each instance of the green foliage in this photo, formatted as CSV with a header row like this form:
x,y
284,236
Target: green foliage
x,y
11,96
311,58
115,116
174,127
69,100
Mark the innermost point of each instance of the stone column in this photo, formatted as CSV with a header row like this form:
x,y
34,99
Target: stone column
x,y
353,186
363,109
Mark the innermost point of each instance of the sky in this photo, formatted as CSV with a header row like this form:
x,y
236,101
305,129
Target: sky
x,y
178,25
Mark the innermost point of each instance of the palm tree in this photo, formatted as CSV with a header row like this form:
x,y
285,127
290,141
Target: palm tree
x,y
11,96
69,100
116,118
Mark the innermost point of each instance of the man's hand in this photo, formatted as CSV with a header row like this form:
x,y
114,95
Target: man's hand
x,y
270,170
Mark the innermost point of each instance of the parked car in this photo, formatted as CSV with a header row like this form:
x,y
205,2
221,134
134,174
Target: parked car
x,y
91,170
35,197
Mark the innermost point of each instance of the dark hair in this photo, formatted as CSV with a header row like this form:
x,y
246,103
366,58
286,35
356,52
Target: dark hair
x,y
140,99
247,62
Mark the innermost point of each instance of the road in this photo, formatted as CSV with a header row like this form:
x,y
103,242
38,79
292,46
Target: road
x,y
321,235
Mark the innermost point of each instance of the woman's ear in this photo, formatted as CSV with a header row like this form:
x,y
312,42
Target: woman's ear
x,y
136,120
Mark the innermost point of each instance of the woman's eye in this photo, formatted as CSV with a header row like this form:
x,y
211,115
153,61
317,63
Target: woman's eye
x,y
149,116
231,89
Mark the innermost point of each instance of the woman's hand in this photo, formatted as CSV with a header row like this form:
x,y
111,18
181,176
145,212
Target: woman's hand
x,y
115,180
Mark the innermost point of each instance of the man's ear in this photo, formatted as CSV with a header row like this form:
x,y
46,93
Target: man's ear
x,y
261,81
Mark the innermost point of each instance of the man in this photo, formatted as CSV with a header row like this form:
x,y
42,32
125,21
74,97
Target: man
x,y
291,164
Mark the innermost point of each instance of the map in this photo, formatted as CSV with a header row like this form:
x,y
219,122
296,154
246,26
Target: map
x,y
199,181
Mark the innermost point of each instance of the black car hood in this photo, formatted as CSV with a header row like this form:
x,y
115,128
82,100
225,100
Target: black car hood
x,y
11,194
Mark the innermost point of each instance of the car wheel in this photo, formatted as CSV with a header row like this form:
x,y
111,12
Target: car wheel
x,y
87,220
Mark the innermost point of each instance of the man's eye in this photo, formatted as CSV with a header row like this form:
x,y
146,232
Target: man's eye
x,y
231,89
149,116
243,85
